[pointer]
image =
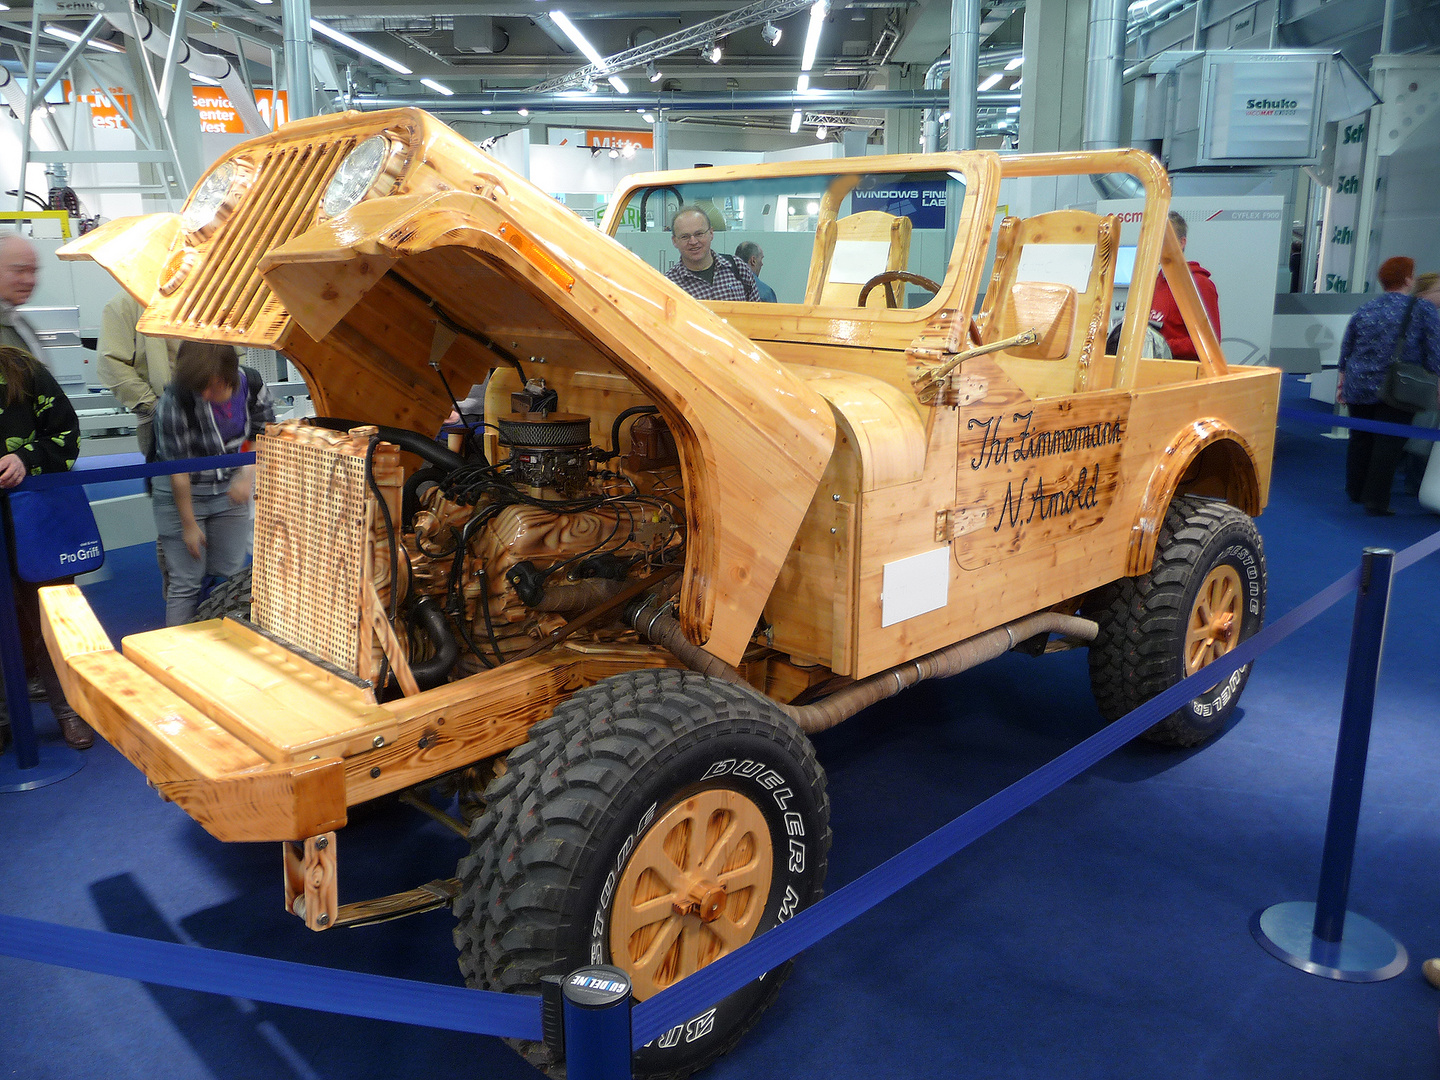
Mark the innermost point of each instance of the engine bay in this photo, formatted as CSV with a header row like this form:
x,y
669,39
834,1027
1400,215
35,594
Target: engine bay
x,y
492,558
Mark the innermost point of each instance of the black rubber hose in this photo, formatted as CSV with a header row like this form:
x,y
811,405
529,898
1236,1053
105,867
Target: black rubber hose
x,y
426,614
411,494
634,410
419,445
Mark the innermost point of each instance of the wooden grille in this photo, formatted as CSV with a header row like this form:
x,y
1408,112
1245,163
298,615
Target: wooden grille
x,y
312,541
227,291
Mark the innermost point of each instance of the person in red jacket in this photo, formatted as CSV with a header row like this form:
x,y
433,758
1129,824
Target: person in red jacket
x,y
1166,312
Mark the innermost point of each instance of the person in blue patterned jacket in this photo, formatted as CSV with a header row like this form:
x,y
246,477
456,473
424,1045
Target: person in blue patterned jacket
x,y
212,407
1365,356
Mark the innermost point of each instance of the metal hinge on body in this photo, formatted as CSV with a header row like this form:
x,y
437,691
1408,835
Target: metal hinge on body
x,y
957,521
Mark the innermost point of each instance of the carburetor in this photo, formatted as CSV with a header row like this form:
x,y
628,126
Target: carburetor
x,y
550,453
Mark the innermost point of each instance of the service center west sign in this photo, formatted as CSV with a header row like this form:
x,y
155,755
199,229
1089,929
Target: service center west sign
x,y
1262,109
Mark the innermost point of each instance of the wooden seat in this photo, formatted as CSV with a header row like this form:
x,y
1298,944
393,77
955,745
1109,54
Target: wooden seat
x,y
1055,272
849,251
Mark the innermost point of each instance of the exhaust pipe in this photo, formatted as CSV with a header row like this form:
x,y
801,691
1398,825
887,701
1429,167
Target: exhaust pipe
x,y
651,621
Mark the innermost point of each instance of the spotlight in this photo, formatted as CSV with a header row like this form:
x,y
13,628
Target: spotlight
x,y
649,117
771,33
821,132
629,151
713,52
614,153
653,73
523,111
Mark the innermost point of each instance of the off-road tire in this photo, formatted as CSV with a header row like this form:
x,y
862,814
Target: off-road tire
x,y
230,597
1142,646
588,792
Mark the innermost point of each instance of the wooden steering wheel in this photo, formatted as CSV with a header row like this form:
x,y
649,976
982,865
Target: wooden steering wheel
x,y
887,277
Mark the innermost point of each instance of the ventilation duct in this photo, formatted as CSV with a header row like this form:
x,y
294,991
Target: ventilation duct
x,y
207,65
1104,83
14,96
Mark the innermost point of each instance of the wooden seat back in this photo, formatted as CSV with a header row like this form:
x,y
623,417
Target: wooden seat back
x,y
849,251
1055,273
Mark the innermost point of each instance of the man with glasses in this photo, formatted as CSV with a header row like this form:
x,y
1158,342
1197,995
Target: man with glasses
x,y
704,274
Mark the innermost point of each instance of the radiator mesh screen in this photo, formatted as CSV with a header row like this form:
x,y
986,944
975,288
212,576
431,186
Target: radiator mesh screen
x,y
310,546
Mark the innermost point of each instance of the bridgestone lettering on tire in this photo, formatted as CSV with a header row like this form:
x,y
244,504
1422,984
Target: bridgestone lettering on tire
x,y
1204,595
595,825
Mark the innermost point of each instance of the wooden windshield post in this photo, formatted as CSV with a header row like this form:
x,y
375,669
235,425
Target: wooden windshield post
x,y
1192,309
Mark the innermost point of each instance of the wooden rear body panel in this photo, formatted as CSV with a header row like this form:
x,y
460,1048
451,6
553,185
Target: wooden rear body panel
x,y
1038,501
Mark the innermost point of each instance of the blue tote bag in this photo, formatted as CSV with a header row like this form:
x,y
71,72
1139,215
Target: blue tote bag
x,y
53,534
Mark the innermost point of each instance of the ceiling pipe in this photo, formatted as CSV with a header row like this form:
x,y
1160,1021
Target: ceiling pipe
x,y
723,101
575,9
965,56
299,69
1153,16
1104,84
935,77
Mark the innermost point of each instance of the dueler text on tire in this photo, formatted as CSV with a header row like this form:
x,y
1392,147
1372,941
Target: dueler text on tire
x,y
1204,595
658,821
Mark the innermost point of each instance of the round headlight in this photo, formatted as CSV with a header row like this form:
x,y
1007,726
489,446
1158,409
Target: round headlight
x,y
209,197
356,175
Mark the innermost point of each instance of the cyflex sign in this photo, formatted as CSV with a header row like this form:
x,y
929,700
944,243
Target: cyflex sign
x,y
1262,109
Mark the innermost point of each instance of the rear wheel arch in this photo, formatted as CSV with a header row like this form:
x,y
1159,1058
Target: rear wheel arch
x,y
1208,458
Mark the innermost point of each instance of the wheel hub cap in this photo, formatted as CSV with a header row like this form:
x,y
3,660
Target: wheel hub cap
x,y
1215,618
693,890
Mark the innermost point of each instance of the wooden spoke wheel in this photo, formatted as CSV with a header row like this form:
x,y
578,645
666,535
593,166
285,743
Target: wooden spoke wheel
x,y
1215,618
1203,596
658,821
693,890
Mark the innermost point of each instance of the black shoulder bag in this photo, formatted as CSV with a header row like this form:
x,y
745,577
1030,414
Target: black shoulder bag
x,y
1408,387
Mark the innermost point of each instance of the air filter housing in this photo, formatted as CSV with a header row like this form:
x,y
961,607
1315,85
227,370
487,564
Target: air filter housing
x,y
553,452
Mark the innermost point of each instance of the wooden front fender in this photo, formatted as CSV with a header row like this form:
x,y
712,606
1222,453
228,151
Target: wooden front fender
x,y
753,438
1207,458
134,250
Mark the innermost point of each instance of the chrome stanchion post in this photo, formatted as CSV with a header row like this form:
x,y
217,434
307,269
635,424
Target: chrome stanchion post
x,y
597,1023
1323,938
32,765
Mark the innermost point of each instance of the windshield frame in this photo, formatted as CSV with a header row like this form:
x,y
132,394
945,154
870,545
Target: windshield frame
x,y
874,326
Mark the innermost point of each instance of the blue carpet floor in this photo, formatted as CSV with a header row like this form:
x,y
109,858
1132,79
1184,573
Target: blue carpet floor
x,y
1103,933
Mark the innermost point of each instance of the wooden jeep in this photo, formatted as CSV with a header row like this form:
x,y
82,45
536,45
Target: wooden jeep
x,y
688,534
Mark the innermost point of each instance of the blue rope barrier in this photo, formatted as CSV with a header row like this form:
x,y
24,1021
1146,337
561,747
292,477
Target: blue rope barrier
x,y
46,481
1378,427
514,1016
689,998
281,982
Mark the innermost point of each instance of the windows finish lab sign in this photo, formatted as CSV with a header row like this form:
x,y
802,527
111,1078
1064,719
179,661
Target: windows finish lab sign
x,y
1263,109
